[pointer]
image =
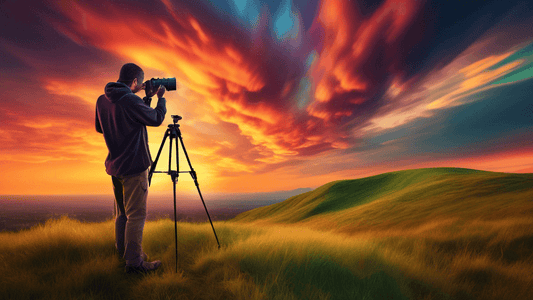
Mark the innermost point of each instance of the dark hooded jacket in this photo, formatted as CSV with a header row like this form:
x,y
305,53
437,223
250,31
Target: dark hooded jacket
x,y
122,117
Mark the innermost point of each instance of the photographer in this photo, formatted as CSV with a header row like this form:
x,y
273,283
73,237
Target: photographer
x,y
122,117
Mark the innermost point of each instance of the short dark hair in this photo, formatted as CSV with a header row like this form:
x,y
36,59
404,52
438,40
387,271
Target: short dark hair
x,y
129,72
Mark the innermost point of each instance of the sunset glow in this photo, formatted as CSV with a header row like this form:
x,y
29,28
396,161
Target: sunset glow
x,y
275,95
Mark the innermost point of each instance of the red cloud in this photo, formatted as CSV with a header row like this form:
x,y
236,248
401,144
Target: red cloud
x,y
358,55
256,88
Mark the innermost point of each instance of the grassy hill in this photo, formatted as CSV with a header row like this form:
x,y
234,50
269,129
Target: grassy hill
x,y
468,232
404,199
440,233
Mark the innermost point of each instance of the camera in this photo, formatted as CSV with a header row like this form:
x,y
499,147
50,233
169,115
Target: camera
x,y
168,83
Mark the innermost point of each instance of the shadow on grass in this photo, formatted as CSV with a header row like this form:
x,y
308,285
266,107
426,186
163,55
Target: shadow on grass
x,y
319,276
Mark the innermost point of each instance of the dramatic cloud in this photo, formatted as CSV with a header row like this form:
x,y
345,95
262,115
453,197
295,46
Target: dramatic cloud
x,y
449,86
300,87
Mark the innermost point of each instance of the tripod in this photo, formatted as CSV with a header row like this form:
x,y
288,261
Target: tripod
x,y
174,133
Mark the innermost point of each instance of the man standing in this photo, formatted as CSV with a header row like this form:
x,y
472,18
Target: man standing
x,y
122,117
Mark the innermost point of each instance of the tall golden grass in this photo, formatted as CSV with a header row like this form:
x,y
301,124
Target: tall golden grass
x,y
420,234
65,259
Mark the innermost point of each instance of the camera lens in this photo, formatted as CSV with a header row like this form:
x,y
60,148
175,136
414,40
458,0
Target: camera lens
x,y
168,83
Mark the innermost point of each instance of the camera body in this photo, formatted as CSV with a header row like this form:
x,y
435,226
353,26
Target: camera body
x,y
154,83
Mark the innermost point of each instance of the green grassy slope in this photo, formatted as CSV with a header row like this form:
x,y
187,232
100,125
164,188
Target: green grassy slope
x,y
426,234
409,197
466,233
67,259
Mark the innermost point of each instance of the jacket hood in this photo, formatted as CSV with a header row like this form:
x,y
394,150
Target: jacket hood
x,y
115,90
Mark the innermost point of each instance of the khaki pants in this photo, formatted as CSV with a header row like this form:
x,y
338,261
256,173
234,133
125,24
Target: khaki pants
x,y
131,193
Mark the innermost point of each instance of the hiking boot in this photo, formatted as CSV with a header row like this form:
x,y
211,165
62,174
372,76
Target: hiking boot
x,y
144,267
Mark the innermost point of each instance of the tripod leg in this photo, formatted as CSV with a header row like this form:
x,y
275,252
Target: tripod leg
x,y
152,168
174,176
177,157
170,154
174,180
193,175
199,193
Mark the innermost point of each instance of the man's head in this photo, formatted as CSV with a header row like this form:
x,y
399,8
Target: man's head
x,y
133,76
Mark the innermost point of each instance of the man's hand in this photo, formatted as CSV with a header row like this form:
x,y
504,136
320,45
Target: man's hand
x,y
161,91
149,90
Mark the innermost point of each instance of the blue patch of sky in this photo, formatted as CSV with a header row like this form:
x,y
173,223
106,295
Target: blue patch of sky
x,y
241,5
285,21
221,5
304,94
524,72
311,58
303,97
246,11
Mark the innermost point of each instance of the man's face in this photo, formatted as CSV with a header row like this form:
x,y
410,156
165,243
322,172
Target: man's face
x,y
137,85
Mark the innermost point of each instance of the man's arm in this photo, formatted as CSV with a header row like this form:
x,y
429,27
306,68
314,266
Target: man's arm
x,y
146,115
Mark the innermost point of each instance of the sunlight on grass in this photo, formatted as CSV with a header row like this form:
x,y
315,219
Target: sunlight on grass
x,y
64,258
322,264
430,234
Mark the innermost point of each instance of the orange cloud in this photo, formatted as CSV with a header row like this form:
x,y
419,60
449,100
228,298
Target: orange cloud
x,y
350,42
452,85
359,55
251,103
46,122
474,77
518,160
219,69
241,82
43,139
73,88
225,74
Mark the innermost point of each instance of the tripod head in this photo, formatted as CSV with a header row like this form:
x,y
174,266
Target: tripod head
x,y
176,118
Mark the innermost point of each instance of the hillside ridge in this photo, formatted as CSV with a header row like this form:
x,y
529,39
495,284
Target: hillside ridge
x,y
439,187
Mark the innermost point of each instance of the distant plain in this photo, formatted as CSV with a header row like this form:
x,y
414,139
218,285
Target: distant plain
x,y
19,212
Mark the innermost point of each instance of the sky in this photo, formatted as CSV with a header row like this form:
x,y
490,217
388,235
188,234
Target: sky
x,y
274,95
